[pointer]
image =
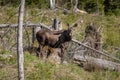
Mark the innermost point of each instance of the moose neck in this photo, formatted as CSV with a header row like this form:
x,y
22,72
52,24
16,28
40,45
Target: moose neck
x,y
58,44
62,39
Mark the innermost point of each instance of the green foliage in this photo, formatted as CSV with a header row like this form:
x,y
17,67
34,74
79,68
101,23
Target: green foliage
x,y
6,57
105,75
111,32
38,3
118,54
117,11
1,74
109,7
101,6
37,69
112,7
91,6
81,4
42,72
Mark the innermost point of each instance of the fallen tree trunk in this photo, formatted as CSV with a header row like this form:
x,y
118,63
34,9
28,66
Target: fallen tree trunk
x,y
105,54
25,25
91,63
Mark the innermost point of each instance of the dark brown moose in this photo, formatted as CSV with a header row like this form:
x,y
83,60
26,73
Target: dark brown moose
x,y
53,39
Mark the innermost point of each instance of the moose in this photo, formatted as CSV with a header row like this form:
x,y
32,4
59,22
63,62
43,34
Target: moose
x,y
54,39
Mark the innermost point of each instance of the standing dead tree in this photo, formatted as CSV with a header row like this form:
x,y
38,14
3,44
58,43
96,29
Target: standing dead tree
x,y
75,9
20,43
75,6
52,4
57,25
93,38
1,39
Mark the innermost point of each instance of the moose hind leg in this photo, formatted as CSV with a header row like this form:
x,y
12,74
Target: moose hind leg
x,y
48,53
38,51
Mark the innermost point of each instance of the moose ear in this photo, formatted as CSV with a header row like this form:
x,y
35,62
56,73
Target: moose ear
x,y
75,25
68,25
99,29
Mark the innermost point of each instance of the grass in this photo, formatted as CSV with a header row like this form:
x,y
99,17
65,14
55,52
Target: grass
x,y
37,69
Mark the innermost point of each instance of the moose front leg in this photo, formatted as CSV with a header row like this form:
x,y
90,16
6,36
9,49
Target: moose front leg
x,y
39,52
62,54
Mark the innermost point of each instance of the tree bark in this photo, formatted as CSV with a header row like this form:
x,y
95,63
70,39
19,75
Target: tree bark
x,y
20,42
52,4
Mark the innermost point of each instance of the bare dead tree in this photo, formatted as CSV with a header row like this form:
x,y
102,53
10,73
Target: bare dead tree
x,y
57,24
1,39
20,42
75,9
52,4
75,6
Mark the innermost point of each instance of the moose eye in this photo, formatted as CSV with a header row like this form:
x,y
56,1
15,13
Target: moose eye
x,y
70,34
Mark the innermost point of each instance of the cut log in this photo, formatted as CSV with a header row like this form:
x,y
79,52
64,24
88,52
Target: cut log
x,y
93,63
